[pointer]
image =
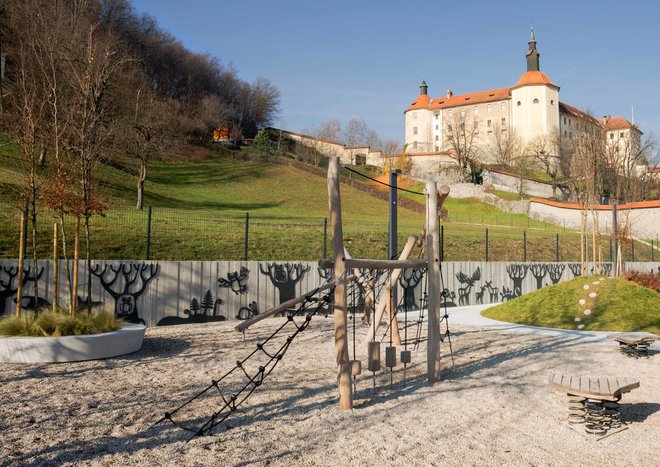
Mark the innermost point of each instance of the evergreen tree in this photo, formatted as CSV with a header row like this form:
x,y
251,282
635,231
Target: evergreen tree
x,y
262,140
207,302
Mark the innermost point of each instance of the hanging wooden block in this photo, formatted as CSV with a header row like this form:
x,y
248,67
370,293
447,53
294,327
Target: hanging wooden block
x,y
390,357
374,356
405,356
356,367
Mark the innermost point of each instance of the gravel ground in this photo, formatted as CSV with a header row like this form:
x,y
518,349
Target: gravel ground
x,y
493,407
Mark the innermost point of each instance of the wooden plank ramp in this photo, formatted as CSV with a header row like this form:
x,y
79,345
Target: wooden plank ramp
x,y
602,388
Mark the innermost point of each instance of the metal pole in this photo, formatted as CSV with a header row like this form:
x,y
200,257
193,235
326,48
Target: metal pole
x,y
393,248
632,247
149,233
442,243
615,235
652,253
325,237
247,231
611,250
524,245
486,244
557,248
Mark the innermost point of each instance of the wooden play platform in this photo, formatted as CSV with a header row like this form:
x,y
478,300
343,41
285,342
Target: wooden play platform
x,y
634,344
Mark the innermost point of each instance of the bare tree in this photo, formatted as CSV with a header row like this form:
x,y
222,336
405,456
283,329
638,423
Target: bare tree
x,y
504,145
544,152
462,133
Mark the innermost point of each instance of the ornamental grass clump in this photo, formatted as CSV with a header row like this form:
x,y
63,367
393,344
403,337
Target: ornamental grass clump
x,y
57,324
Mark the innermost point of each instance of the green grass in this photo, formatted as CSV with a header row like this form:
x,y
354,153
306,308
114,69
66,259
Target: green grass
x,y
619,305
200,198
56,324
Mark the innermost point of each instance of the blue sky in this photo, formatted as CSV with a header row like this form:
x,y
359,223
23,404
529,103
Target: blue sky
x,y
365,59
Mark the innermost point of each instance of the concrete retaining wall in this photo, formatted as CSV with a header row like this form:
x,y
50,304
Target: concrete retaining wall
x,y
178,292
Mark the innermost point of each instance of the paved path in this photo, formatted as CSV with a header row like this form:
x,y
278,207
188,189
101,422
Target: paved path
x,y
471,316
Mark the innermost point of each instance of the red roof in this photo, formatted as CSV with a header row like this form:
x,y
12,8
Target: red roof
x,y
616,123
421,102
534,77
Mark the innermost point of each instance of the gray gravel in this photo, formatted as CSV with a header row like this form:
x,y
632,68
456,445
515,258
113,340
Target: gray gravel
x,y
493,407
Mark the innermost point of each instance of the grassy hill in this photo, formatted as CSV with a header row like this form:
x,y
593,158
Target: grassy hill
x,y
619,305
200,197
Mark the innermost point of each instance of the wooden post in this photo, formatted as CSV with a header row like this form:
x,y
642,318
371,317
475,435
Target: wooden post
x,y
21,254
433,249
341,327
55,269
76,252
383,300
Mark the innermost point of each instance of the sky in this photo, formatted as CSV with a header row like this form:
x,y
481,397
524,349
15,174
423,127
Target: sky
x,y
335,60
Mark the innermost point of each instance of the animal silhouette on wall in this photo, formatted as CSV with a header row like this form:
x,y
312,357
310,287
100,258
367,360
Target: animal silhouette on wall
x,y
576,269
8,288
480,295
136,279
409,282
448,298
237,282
325,274
517,273
247,312
538,271
508,294
284,277
555,272
493,292
468,283
206,311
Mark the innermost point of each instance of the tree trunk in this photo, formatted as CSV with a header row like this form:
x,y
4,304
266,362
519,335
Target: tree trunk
x,y
88,261
76,243
65,255
21,253
55,269
35,261
140,184
42,155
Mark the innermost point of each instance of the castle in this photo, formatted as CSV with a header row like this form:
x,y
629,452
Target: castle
x,y
531,110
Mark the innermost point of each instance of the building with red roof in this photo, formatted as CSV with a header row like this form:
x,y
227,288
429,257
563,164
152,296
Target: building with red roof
x,y
530,110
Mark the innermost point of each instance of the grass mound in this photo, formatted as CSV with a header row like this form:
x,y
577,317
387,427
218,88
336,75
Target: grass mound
x,y
61,323
618,305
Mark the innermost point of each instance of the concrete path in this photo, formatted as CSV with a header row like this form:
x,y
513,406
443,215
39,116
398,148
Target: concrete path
x,y
471,316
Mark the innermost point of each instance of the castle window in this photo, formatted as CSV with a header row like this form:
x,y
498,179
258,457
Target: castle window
x,y
436,115
503,122
414,115
436,137
449,112
518,103
475,110
436,149
570,135
475,124
488,123
569,122
564,120
535,101
489,109
552,102
502,105
449,128
462,112
436,127
565,133
414,130
414,144
611,135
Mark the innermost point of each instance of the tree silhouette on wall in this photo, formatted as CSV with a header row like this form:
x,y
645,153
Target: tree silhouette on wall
x,y
517,273
555,272
284,277
204,311
538,271
136,279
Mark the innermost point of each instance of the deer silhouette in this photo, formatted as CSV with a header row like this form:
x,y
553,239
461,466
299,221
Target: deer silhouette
x,y
493,291
284,277
480,295
8,288
464,292
125,298
409,280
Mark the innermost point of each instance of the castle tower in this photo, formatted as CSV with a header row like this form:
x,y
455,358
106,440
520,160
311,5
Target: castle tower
x,y
418,122
534,100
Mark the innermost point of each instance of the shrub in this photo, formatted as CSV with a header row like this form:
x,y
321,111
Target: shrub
x,y
650,280
60,323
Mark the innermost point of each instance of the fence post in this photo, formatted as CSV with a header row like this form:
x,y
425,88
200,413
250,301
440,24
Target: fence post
x,y
632,247
247,232
652,253
524,245
149,233
611,258
486,244
442,243
325,237
557,248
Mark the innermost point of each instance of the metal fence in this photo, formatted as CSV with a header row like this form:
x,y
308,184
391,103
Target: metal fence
x,y
209,235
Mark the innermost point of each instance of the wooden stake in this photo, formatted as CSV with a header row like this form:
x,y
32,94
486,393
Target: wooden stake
x,y
433,249
55,269
21,254
76,252
340,311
